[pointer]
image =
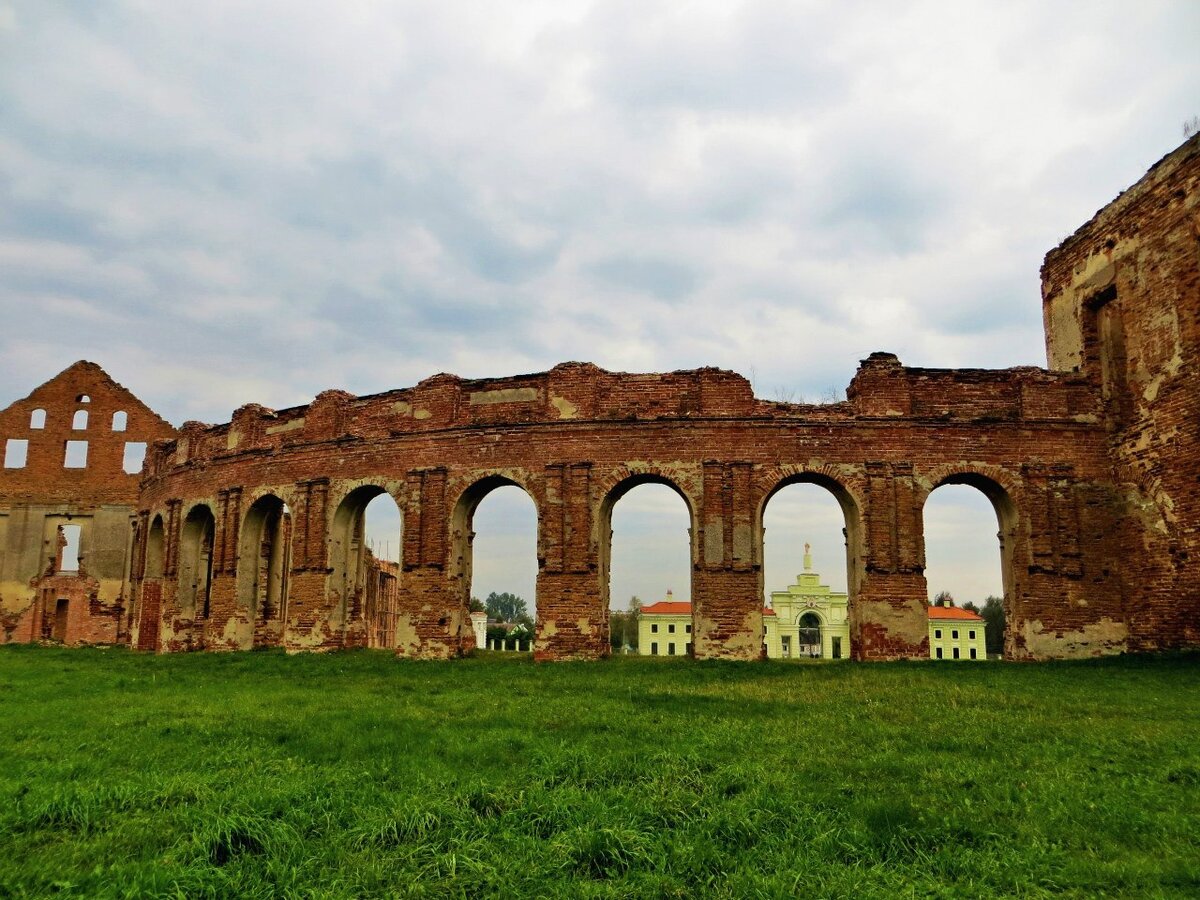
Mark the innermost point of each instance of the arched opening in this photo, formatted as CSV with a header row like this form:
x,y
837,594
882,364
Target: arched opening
x,y
969,523
263,564
812,567
195,563
37,419
646,551
496,533
809,633
364,556
154,549
79,422
119,420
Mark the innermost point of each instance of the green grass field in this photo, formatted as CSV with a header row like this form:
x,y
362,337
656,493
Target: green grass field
x,y
354,774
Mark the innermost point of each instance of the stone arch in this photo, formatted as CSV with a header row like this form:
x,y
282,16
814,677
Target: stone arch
x,y
462,536
1001,489
262,569
616,486
196,541
348,554
847,490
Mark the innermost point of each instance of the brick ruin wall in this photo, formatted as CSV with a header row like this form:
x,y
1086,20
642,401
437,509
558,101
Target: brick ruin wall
x,y
250,533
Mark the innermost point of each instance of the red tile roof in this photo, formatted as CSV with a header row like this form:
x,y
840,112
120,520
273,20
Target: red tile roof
x,y
956,613
668,608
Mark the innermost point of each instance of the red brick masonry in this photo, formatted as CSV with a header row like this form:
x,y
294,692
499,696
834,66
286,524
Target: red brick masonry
x,y
250,532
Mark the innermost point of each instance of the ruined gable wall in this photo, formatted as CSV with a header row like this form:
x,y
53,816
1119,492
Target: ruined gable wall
x,y
41,495
1122,307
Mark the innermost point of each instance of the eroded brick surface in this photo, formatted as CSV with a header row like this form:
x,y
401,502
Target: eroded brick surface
x,y
249,533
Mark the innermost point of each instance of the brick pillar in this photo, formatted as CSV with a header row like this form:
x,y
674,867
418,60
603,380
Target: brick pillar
x,y
572,616
432,606
888,617
726,593
223,597
308,604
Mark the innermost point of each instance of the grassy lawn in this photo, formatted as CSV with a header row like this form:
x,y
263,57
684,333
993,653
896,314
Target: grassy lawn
x,y
355,774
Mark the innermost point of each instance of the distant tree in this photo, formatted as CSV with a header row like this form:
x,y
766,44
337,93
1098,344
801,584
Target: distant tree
x,y
506,607
971,606
635,604
993,627
476,605
1191,127
943,598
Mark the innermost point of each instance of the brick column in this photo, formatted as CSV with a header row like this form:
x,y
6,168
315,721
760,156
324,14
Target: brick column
x,y
888,618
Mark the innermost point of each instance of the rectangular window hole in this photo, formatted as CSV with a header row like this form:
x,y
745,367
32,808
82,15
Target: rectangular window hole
x,y
16,453
76,455
135,455
69,561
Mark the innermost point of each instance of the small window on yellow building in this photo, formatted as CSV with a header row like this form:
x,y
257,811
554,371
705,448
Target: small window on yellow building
x,y
956,653
938,651
671,629
971,635
954,634
671,649
687,629
654,628
973,656
937,633
654,649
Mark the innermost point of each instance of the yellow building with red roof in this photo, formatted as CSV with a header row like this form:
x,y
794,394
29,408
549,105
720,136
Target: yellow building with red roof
x,y
956,633
665,628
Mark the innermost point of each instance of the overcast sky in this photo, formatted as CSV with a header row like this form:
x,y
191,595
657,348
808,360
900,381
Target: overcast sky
x,y
232,202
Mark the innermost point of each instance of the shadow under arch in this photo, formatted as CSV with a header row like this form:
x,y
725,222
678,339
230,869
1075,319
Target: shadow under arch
x,y
1007,521
357,604
262,569
462,535
196,562
614,494
852,528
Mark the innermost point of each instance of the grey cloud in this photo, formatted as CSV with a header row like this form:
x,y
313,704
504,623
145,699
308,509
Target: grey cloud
x,y
661,278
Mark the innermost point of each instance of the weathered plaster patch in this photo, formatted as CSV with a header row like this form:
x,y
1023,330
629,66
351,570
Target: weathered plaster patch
x,y
292,425
1096,639
505,395
566,409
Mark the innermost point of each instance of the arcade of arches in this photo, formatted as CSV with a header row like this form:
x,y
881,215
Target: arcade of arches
x,y
249,532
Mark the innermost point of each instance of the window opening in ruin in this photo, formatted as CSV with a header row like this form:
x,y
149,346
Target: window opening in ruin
x,y
501,557
364,556
808,565
195,562
648,554
83,398
154,549
134,456
37,419
119,420
76,455
68,553
969,523
262,569
16,453
79,422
